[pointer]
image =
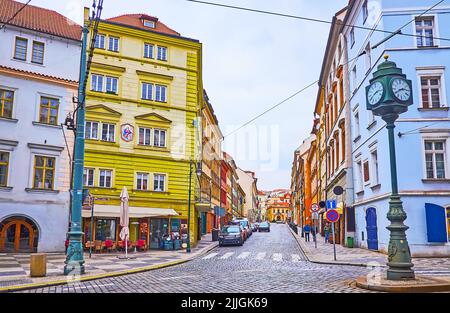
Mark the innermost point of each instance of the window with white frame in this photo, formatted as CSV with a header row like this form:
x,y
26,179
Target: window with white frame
x,y
20,49
356,124
435,159
359,176
374,161
159,138
108,132
370,117
159,182
352,37
144,136
366,172
100,41
105,179
432,92
91,130
88,177
162,53
113,44
148,23
97,82
354,79
147,91
148,51
112,84
365,11
425,31
142,181
161,93
38,52
368,57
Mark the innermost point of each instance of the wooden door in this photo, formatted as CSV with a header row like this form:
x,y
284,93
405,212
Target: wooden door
x,y
17,236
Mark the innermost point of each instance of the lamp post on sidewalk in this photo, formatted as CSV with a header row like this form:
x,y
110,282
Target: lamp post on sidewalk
x,y
389,95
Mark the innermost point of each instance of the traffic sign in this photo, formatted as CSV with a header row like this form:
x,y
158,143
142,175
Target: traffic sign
x,y
331,204
332,216
315,215
314,207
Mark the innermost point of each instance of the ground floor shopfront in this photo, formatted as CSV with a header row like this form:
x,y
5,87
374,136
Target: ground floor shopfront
x,y
149,228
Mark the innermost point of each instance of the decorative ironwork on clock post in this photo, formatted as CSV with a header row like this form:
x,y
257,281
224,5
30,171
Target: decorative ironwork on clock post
x,y
389,95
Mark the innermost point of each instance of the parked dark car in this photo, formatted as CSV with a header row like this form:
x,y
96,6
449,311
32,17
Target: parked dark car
x,y
264,226
245,224
231,235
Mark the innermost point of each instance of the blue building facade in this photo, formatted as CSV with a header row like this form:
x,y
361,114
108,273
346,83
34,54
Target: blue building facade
x,y
423,141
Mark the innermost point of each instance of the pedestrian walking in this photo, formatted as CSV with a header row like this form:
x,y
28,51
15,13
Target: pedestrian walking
x,y
326,231
307,229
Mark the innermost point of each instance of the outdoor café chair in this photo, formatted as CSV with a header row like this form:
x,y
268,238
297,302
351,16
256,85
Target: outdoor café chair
x,y
98,246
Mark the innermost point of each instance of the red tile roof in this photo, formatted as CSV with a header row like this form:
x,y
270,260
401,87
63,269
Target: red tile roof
x,y
11,70
136,20
39,19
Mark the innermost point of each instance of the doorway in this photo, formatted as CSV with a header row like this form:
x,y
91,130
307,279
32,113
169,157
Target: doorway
x,y
372,230
18,235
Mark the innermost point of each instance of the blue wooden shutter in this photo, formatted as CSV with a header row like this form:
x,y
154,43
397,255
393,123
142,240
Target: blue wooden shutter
x,y
436,228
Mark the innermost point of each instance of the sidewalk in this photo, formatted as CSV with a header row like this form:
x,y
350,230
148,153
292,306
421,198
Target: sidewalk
x,y
363,257
15,268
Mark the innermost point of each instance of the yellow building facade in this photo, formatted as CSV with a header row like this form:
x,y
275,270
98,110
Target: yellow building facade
x,y
144,94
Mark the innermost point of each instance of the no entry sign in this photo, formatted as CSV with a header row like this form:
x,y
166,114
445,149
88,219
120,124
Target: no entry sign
x,y
332,216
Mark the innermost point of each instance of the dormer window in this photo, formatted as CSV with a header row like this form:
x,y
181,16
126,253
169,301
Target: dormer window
x,y
148,23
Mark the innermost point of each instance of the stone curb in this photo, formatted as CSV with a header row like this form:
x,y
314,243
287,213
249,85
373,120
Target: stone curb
x,y
438,286
107,275
312,259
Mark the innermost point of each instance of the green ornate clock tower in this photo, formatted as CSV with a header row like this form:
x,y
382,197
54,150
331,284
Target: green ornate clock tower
x,y
389,95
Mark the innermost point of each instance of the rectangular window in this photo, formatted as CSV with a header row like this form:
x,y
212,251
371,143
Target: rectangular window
x,y
113,44
352,37
97,82
20,50
368,55
159,138
91,130
162,53
425,32
148,51
44,172
100,41
374,159
142,181
105,180
6,103
88,177
354,79
4,165
111,84
431,92
159,182
435,159
108,132
38,52
149,24
105,229
147,91
48,111
144,136
357,126
160,93
366,173
359,175
365,11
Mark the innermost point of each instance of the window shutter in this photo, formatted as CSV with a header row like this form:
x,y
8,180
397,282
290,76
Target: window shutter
x,y
351,219
435,215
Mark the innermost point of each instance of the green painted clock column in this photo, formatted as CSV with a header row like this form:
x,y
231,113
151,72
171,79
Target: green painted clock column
x,y
389,95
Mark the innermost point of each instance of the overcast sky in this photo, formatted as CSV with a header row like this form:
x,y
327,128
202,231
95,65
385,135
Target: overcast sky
x,y
250,62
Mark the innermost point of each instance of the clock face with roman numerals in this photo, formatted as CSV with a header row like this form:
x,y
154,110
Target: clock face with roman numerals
x,y
401,89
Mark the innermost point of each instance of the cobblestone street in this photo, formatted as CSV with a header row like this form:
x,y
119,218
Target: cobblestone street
x,y
268,262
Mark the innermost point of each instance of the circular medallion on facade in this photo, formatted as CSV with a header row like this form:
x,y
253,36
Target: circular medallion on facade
x,y
127,132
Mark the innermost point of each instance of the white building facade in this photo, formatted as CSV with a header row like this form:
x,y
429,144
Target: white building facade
x,y
38,77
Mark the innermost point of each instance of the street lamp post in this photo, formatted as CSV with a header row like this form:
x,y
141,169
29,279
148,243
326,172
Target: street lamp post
x,y
188,247
388,95
75,260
